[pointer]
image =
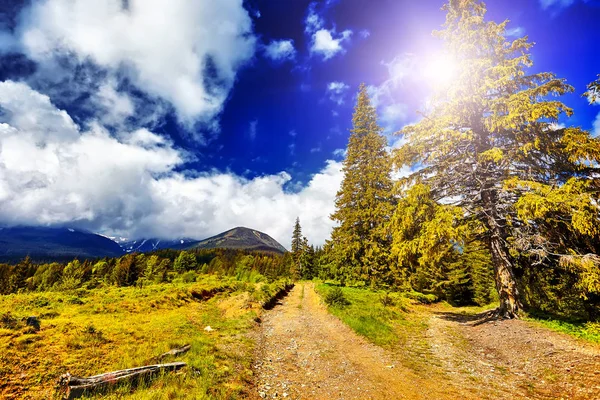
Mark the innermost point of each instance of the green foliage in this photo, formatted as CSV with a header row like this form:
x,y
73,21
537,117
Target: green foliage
x,y
185,262
584,330
143,269
489,142
359,246
421,298
335,298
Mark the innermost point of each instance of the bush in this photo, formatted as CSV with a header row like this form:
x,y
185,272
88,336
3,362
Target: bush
x,y
387,300
335,297
422,298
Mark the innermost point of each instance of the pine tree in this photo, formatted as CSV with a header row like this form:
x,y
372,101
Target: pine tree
x,y
489,143
359,245
297,249
297,237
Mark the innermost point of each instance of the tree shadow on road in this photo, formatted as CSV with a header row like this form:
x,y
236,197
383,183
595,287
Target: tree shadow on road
x,y
469,319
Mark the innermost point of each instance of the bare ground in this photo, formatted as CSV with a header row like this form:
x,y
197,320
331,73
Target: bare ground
x,y
304,352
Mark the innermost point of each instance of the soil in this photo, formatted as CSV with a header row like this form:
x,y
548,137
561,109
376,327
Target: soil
x,y
304,352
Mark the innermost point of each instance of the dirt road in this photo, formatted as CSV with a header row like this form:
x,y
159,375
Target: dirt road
x,y
306,353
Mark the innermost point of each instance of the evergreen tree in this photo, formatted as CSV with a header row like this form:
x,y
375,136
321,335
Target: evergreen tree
x,y
297,237
297,249
489,143
359,246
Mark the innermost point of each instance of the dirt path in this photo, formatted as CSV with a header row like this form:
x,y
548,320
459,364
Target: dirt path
x,y
306,353
513,359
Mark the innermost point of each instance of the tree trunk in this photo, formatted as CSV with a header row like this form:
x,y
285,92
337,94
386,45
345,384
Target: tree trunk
x,y
506,284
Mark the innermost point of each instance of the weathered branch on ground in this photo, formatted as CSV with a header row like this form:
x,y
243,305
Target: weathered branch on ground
x,y
74,387
175,352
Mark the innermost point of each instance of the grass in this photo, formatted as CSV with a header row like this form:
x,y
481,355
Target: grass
x,y
366,314
589,331
87,332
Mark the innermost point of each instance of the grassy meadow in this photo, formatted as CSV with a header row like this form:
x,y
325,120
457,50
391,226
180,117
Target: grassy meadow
x,y
88,332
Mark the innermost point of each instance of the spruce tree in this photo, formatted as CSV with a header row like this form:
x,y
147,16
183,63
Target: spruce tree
x,y
297,249
297,237
489,142
359,245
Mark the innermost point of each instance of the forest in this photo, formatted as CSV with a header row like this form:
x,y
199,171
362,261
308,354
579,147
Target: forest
x,y
501,202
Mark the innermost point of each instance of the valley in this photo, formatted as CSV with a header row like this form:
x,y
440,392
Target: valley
x,y
299,349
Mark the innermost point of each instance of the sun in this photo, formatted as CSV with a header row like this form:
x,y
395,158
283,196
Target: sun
x,y
440,70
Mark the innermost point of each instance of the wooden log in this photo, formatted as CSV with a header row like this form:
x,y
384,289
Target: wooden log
x,y
75,387
175,352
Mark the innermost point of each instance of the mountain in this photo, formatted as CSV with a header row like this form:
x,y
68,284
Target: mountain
x,y
241,238
145,245
49,244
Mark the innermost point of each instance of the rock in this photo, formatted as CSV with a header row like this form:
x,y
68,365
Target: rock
x,y
208,329
33,322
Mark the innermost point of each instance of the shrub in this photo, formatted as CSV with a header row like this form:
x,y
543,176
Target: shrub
x,y
422,298
387,300
335,297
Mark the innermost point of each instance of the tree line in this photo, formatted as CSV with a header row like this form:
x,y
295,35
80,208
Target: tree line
x,y
140,269
501,201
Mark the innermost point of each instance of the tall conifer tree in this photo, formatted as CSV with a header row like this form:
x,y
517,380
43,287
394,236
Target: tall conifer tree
x,y
359,245
490,143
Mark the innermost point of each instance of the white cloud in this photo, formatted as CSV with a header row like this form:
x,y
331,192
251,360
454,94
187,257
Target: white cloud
x,y
558,3
365,33
280,50
293,133
186,53
339,153
313,21
516,32
337,91
54,172
384,97
325,44
116,106
596,126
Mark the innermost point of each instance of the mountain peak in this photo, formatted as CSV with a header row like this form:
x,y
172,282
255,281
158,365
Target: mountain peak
x,y
244,238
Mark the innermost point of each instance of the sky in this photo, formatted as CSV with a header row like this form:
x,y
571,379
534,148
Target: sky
x,y
174,118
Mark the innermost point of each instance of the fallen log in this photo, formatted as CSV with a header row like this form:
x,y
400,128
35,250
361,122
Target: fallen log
x,y
175,352
74,387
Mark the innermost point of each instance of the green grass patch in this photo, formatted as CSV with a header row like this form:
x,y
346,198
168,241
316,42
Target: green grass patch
x,y
365,313
589,331
87,332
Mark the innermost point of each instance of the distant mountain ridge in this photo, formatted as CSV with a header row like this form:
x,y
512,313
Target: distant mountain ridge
x,y
63,244
241,238
48,243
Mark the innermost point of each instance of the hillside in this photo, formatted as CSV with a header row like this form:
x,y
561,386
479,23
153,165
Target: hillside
x,y
44,243
243,239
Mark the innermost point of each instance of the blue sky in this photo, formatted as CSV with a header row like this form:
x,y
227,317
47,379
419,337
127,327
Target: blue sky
x,y
186,118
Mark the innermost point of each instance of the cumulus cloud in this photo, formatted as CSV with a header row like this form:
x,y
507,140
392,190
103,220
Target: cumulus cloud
x,y
337,91
324,42
53,172
186,53
280,50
